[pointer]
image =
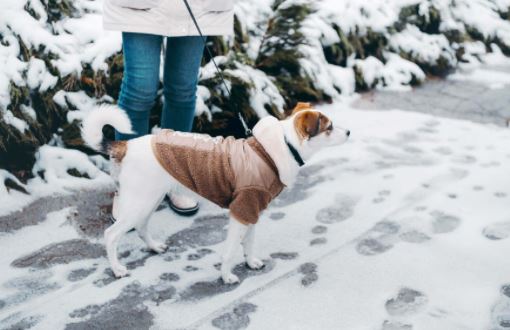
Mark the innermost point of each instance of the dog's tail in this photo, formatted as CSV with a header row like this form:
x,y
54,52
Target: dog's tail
x,y
92,126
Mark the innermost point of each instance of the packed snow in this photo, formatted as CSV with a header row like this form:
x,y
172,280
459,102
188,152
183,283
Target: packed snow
x,y
405,225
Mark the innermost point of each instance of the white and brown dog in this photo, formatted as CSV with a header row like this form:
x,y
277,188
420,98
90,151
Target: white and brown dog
x,y
243,175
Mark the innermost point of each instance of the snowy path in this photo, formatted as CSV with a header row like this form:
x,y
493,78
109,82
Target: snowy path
x,y
404,227
481,96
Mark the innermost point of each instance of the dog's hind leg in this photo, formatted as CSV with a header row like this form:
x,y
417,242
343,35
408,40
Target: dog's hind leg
x,y
133,212
112,236
143,232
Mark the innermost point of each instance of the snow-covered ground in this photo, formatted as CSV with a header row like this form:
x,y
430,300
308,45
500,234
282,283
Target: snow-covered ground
x,y
404,227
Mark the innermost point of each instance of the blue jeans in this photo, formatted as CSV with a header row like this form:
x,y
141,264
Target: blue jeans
x,y
142,56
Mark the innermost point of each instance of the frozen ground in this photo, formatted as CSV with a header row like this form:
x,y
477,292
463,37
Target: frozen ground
x,y
405,227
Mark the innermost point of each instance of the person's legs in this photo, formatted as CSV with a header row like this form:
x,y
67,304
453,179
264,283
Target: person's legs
x,y
182,64
142,53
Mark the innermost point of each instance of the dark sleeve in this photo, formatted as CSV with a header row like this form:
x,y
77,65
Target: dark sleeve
x,y
248,203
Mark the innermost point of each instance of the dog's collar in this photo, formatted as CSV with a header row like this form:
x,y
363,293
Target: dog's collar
x,y
294,152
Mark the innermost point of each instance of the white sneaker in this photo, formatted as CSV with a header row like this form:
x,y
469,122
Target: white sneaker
x,y
182,204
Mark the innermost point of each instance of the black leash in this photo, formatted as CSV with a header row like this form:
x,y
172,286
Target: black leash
x,y
247,130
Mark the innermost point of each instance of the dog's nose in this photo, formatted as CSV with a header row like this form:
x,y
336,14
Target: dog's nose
x,y
348,133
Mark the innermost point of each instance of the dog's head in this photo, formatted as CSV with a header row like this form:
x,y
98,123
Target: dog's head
x,y
314,130
306,129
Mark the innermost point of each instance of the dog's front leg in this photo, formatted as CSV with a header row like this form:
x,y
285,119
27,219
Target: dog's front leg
x,y
249,249
236,233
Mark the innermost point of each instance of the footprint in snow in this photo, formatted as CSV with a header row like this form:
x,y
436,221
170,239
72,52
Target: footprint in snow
x,y
395,325
319,229
444,223
420,208
284,255
379,239
407,302
80,274
381,196
309,271
318,241
414,236
371,246
307,178
445,151
385,234
491,164
497,231
238,318
206,289
341,210
464,159
500,312
277,215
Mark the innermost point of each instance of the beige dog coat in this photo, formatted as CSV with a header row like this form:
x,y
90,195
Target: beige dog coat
x,y
235,174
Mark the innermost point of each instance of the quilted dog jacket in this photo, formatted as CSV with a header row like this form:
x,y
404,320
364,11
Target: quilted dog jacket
x,y
233,173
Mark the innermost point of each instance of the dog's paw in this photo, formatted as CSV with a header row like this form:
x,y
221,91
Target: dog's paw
x,y
255,263
120,271
230,278
159,247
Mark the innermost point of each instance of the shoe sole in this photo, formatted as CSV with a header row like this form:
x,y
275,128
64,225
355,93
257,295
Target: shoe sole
x,y
184,212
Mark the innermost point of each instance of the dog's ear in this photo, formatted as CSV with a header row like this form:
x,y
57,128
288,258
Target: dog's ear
x,y
307,124
310,123
301,106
